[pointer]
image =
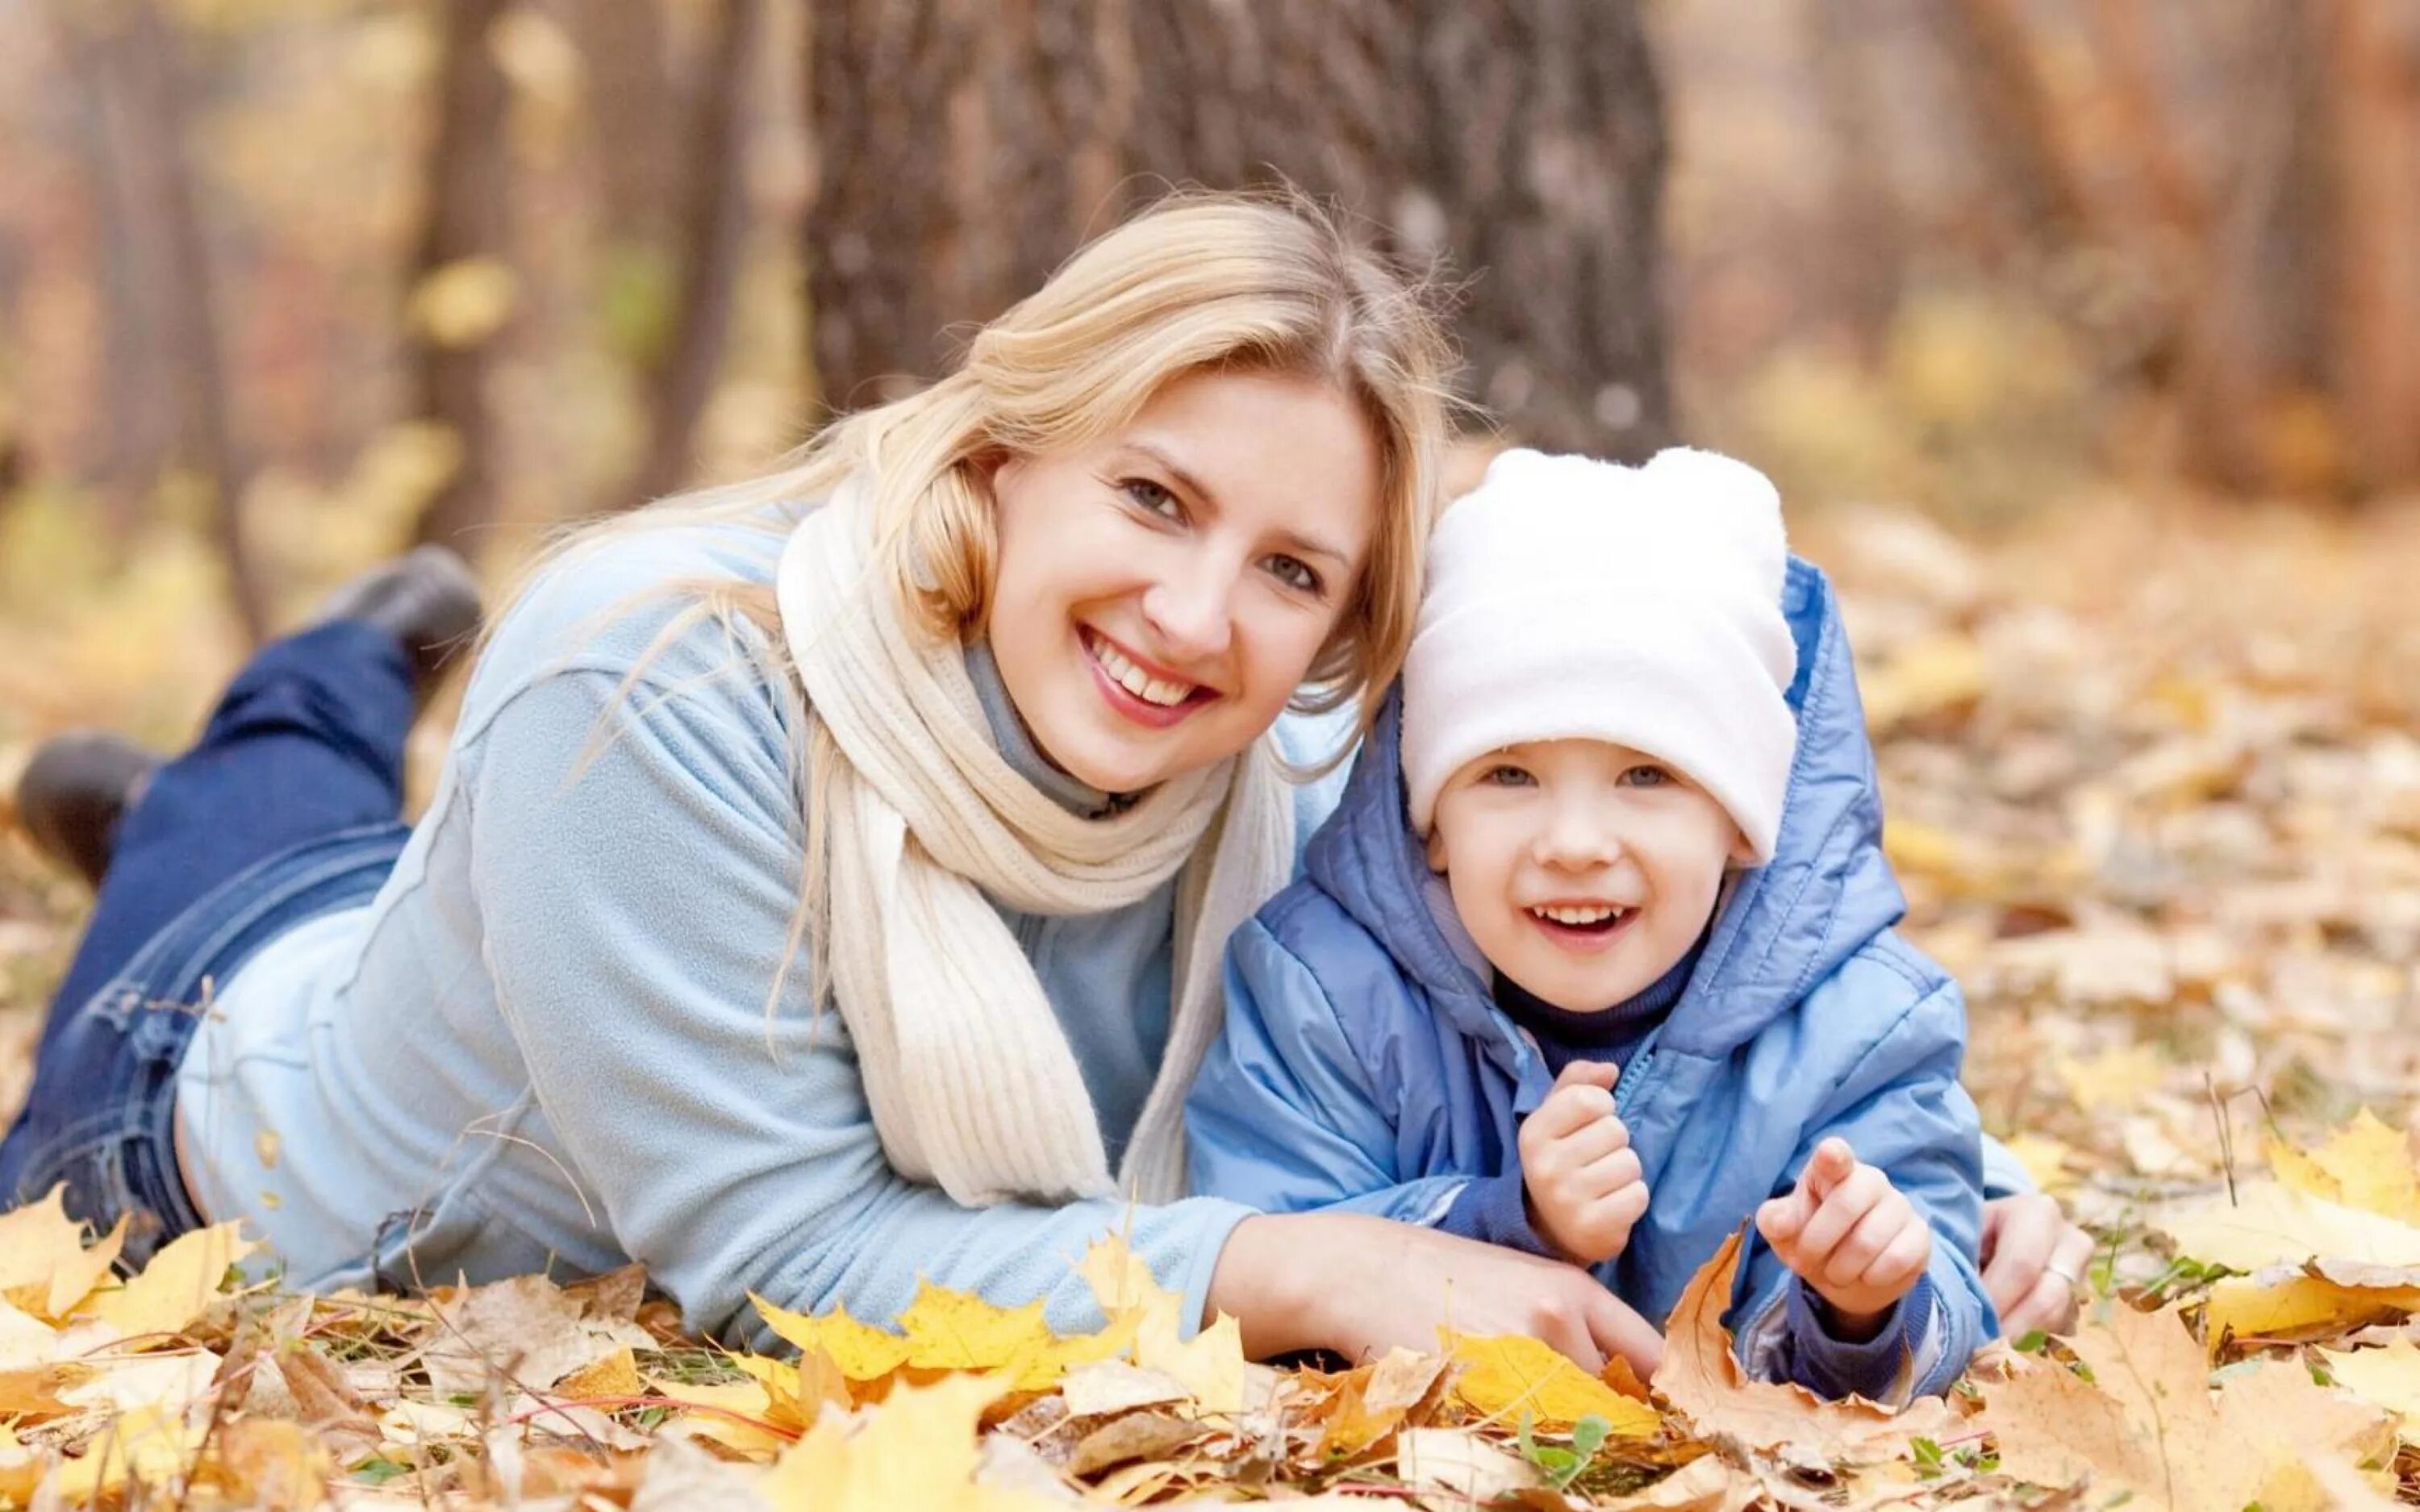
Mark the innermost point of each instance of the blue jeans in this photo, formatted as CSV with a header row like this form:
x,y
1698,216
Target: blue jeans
x,y
286,808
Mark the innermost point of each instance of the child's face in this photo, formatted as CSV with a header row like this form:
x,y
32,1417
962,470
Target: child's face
x,y
1583,870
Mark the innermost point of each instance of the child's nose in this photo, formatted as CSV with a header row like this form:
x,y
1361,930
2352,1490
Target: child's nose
x,y
1579,835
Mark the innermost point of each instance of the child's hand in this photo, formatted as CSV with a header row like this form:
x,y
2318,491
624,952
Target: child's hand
x,y
1851,1235
1583,1178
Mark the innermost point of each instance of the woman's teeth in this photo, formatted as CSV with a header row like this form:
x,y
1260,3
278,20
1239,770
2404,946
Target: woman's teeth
x,y
1578,915
1135,681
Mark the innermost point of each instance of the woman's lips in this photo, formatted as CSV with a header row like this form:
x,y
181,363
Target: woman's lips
x,y
1129,703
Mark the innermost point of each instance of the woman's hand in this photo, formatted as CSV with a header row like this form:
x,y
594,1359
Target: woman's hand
x,y
2034,1262
1360,1285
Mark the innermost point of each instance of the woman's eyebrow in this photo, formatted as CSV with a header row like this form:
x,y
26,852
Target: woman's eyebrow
x,y
1294,540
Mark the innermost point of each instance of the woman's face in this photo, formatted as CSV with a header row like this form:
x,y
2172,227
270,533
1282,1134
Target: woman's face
x,y
1160,595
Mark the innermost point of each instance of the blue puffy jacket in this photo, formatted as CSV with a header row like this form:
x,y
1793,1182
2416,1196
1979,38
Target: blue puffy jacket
x,y
1365,1065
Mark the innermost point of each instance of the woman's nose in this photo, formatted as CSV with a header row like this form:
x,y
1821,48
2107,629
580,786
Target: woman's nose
x,y
1191,610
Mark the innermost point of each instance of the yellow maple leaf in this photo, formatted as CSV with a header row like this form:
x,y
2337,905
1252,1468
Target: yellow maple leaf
x,y
44,1267
1508,1377
614,1373
2291,1304
2365,1164
2389,1378
2265,1223
178,1284
916,1449
949,1330
863,1351
1210,1361
723,1406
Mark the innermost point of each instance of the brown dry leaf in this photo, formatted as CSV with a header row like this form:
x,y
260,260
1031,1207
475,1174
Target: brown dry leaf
x,y
1373,1401
1137,1436
527,1331
1707,1484
1701,1377
1460,1463
2149,1424
264,1463
1110,1386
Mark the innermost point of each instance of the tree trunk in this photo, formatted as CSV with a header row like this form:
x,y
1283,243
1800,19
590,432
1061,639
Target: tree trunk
x,y
634,109
2018,124
463,218
164,304
1867,259
960,162
2373,117
714,235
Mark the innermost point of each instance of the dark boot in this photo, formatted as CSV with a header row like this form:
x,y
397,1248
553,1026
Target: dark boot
x,y
74,792
426,598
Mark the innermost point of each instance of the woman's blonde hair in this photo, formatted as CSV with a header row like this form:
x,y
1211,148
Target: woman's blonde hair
x,y
1198,282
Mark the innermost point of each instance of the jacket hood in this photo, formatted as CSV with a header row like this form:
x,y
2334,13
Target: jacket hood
x,y
1827,893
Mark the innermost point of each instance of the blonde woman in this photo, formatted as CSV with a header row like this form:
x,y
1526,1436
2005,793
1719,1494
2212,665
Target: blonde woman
x,y
827,884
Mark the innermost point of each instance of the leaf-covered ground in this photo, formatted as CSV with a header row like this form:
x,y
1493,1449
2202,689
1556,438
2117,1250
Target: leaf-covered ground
x,y
2154,782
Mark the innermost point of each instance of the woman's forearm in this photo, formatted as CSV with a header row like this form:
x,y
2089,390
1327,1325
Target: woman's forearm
x,y
1268,1273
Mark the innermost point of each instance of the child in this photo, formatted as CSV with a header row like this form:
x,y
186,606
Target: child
x,y
1595,959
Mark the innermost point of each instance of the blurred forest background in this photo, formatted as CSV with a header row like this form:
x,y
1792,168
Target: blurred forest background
x,y
2084,335
285,284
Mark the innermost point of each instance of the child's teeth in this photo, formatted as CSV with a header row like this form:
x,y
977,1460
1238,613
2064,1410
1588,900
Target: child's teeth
x,y
1565,915
1134,680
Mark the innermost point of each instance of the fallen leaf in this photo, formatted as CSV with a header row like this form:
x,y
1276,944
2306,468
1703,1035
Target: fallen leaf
x,y
147,1446
2113,1081
178,1286
2148,1423
527,1333
1148,1435
268,1464
614,1374
1701,1377
42,1257
2365,1165
1108,1386
915,1449
1460,1463
1365,1405
863,1351
2389,1376
1508,1377
2268,1225
2282,1304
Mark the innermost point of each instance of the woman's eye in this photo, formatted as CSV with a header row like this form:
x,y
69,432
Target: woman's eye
x,y
1646,777
1152,498
1294,574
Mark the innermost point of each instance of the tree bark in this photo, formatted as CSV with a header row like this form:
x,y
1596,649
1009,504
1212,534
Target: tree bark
x,y
2018,123
464,217
164,310
959,164
2373,117
714,236
1868,256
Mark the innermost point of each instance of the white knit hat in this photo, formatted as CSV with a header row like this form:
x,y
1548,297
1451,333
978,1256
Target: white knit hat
x,y
1570,598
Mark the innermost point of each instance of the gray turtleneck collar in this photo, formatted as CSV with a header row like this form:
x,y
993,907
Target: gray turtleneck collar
x,y
1008,732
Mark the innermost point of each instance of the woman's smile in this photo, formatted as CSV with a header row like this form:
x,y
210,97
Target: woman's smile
x,y
1140,691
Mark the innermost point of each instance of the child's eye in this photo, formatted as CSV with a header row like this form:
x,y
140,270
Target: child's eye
x,y
1152,498
1295,574
1647,775
1505,775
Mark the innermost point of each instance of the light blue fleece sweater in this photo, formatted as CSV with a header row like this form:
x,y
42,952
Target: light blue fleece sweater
x,y
547,1043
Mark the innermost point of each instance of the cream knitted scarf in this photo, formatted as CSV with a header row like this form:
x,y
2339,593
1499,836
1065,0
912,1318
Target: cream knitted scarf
x,y
972,1084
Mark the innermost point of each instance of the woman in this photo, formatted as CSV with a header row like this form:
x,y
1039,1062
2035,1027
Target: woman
x,y
825,886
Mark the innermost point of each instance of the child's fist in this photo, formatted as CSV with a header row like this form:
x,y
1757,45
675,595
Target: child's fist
x,y
1850,1234
1583,1178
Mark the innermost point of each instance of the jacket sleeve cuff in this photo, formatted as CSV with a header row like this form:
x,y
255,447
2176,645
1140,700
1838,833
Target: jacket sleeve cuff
x,y
1495,1210
1875,1368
